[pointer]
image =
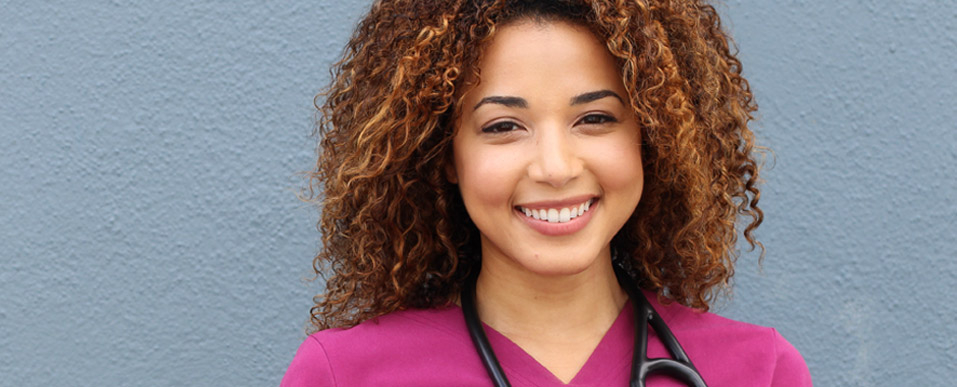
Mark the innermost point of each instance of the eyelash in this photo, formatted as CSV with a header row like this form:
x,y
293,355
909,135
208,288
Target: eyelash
x,y
603,119
498,127
590,119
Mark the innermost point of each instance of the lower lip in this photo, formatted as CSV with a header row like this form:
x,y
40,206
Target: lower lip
x,y
558,229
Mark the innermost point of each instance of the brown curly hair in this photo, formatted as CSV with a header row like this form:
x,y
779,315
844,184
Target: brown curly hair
x,y
395,232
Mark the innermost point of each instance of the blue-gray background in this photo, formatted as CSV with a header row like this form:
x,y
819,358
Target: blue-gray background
x,y
150,234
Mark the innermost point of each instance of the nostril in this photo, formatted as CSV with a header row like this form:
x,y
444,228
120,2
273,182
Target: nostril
x,y
556,163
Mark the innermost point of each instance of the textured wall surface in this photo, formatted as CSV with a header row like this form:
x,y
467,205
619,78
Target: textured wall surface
x,y
150,235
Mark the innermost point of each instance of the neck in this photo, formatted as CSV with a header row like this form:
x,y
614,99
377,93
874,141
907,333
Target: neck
x,y
527,306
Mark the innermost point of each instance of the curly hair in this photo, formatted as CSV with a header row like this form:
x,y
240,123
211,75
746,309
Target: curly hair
x,y
395,233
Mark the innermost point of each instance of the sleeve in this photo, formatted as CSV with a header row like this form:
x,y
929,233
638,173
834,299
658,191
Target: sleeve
x,y
310,367
789,368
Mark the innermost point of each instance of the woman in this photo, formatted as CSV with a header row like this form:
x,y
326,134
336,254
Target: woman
x,y
535,162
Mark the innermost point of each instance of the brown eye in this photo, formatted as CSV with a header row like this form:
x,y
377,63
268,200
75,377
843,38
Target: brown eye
x,y
501,127
595,119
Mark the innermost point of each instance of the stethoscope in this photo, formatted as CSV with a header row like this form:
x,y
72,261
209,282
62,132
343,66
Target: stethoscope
x,y
641,366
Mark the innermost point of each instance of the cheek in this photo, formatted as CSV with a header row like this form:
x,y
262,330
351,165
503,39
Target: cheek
x,y
619,167
485,175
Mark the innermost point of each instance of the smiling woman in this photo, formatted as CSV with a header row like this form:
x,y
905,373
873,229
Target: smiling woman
x,y
563,171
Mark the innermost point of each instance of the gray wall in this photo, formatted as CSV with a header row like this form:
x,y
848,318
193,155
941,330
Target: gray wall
x,y
150,235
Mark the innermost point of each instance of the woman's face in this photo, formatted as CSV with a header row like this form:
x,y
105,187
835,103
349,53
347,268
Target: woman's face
x,y
547,150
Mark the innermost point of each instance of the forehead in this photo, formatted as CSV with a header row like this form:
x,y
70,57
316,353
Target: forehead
x,y
528,56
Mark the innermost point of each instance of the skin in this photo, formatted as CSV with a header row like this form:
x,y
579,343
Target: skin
x,y
548,125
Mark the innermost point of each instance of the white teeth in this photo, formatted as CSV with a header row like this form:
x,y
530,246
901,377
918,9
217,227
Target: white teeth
x,y
558,215
552,215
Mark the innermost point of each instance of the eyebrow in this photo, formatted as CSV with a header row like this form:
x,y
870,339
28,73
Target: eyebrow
x,y
516,102
519,102
594,96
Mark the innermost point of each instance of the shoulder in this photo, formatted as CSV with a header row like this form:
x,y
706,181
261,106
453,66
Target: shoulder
x,y
790,368
415,346
310,366
759,354
394,331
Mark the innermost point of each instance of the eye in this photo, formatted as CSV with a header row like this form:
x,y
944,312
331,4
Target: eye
x,y
501,127
597,119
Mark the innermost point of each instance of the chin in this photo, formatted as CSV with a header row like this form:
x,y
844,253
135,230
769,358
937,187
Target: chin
x,y
560,264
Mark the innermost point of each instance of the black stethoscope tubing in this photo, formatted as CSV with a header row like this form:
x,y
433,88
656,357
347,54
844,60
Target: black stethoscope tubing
x,y
680,367
478,334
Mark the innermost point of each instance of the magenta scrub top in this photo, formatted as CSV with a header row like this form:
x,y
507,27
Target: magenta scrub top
x,y
431,347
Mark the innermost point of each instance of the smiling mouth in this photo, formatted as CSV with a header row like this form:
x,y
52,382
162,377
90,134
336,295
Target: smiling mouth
x,y
557,215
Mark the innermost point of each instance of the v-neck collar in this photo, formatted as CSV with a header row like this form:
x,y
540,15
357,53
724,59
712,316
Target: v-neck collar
x,y
610,359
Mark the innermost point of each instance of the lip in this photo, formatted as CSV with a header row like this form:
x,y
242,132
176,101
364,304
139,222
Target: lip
x,y
559,229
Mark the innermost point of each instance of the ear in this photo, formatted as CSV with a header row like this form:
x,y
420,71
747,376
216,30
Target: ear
x,y
450,174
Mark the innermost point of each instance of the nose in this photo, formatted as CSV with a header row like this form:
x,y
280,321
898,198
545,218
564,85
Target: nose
x,y
556,161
